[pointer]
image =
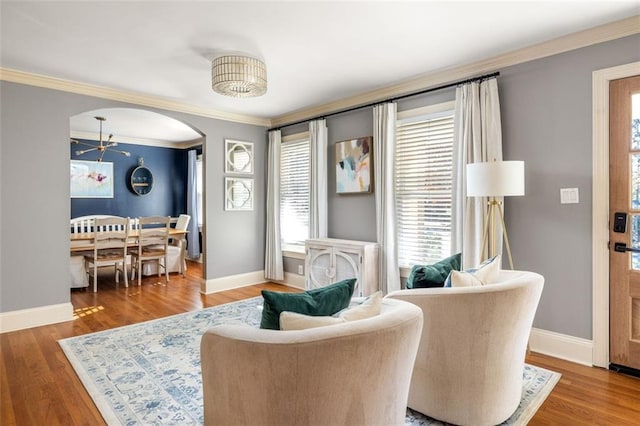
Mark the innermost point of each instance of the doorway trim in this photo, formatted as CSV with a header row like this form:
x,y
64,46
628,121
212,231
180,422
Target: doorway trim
x,y
600,206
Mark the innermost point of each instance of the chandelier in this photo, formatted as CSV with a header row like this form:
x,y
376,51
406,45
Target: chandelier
x,y
102,147
239,76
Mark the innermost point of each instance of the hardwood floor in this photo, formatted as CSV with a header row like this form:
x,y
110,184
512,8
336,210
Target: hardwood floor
x,y
38,386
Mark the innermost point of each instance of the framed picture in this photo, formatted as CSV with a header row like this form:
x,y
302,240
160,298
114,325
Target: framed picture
x,y
353,166
238,157
91,179
238,194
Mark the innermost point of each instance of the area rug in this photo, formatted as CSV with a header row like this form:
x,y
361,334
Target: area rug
x,y
149,373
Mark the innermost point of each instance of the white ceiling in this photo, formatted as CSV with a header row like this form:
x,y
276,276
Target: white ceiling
x,y
315,52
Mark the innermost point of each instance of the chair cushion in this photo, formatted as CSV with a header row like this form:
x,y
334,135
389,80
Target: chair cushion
x,y
104,255
318,302
486,273
370,307
425,276
148,251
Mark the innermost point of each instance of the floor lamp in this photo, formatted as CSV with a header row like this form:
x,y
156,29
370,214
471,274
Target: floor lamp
x,y
495,179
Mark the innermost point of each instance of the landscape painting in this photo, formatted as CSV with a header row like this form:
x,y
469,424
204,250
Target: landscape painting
x,y
91,179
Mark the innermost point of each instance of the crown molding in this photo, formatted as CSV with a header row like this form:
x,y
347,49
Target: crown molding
x,y
139,141
54,83
595,35
599,34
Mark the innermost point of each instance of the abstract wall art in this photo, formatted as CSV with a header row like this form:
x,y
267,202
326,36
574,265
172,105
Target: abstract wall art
x,y
353,166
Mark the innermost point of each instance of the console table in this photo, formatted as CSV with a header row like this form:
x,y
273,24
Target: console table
x,y
330,260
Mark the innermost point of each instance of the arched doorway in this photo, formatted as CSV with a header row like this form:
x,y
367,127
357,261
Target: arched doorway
x,y
116,142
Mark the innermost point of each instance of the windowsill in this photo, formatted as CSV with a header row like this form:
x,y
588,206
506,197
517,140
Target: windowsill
x,y
293,251
404,272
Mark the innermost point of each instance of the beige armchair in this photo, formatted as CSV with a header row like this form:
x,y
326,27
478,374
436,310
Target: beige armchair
x,y
354,373
470,362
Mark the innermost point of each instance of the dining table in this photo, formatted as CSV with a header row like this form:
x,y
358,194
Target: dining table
x,y
83,241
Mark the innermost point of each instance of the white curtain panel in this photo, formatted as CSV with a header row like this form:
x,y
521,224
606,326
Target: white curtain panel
x,y
193,236
273,263
318,189
384,147
477,138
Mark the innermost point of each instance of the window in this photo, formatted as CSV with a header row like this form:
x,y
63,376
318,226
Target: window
x,y
294,190
424,159
199,188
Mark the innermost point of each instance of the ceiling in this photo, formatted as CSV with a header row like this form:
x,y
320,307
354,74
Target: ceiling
x,y
315,52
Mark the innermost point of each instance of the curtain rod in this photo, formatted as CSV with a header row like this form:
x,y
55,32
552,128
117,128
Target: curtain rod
x,y
421,92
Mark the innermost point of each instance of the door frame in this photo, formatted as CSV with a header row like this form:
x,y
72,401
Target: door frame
x,y
600,207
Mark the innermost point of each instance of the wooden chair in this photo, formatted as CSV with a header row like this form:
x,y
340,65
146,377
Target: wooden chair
x,y
176,251
109,247
153,240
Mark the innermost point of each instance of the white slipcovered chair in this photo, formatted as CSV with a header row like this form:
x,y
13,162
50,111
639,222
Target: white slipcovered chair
x,y
176,252
470,362
354,373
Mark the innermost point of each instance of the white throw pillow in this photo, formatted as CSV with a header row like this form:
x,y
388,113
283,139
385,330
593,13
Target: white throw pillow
x,y
486,273
370,307
367,309
296,321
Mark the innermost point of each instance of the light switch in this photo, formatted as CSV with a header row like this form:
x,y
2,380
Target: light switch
x,y
569,196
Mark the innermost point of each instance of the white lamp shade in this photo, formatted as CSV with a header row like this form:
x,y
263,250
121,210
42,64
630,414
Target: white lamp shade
x,y
495,179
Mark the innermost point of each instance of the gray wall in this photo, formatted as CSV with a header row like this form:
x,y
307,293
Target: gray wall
x,y
546,121
35,200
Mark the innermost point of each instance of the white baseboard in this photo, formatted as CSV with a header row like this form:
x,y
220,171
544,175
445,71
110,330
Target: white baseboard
x,y
293,280
35,317
232,281
574,349
250,278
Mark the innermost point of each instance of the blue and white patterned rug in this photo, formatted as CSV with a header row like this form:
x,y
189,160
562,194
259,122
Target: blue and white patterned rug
x,y
149,373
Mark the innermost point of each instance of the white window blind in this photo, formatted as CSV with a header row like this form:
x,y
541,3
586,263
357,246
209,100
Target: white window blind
x,y
424,156
294,191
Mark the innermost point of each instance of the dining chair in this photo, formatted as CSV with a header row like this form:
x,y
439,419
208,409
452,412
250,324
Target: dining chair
x,y
178,245
110,236
176,250
152,243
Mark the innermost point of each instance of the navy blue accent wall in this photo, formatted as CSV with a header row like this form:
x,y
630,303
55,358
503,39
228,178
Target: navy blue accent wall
x,y
167,198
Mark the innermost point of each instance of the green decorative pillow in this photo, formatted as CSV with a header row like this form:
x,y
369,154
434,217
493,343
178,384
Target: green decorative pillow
x,y
425,276
318,302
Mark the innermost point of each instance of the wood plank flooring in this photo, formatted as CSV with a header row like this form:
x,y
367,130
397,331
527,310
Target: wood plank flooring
x,y
38,386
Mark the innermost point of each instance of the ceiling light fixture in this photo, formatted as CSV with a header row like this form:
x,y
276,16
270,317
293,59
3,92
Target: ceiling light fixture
x,y
239,76
101,147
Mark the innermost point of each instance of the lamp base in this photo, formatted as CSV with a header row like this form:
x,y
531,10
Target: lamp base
x,y
494,206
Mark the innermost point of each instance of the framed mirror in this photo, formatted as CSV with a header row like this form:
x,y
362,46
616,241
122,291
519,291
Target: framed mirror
x,y
238,194
238,157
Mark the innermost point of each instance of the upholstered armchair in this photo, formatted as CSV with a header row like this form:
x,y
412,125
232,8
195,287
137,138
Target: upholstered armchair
x,y
470,362
354,373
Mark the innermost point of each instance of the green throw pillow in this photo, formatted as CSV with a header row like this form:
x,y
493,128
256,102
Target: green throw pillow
x,y
318,302
425,276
